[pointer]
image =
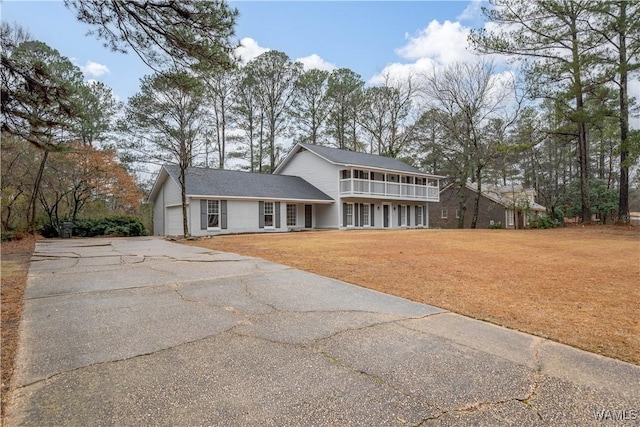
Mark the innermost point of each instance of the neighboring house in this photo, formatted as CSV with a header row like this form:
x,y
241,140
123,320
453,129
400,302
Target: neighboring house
x,y
314,187
511,206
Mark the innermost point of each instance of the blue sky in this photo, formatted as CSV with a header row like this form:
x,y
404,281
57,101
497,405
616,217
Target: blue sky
x,y
367,37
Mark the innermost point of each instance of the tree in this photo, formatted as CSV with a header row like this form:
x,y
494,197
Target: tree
x,y
96,109
165,34
344,92
274,76
560,56
310,106
82,176
385,112
473,109
39,98
220,88
603,200
250,120
16,181
164,123
38,89
619,23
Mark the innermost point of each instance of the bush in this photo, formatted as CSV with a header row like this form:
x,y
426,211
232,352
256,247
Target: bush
x,y
121,226
48,231
496,226
542,222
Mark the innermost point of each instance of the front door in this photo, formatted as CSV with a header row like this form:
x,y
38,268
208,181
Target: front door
x,y
308,216
385,216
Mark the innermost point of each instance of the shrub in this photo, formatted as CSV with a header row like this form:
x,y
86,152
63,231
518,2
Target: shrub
x,y
542,222
496,226
48,231
122,226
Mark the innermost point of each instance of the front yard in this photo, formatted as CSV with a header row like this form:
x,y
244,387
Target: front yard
x,y
578,286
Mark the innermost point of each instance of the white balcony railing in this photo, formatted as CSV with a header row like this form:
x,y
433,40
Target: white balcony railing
x,y
365,187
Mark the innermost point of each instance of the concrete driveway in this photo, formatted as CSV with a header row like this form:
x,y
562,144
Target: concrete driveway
x,y
142,331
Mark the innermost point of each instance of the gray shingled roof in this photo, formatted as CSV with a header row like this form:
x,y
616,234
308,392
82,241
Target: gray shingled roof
x,y
230,183
345,157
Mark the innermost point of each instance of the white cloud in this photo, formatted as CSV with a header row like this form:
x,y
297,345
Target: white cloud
x,y
314,61
445,43
398,71
473,12
248,50
94,69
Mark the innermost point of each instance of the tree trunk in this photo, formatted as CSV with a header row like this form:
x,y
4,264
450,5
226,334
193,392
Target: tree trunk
x,y
183,195
623,200
462,195
35,193
583,154
476,199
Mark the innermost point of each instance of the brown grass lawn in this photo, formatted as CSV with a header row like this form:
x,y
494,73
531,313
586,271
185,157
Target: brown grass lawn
x,y
578,286
15,265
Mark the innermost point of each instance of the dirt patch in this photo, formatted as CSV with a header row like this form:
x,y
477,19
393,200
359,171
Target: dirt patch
x,y
578,286
15,266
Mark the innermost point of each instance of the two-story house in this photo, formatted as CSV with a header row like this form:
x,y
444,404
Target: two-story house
x,y
369,191
315,187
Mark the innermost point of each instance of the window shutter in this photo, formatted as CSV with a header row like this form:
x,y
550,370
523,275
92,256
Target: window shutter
x,y
399,216
344,214
223,214
409,215
260,214
372,216
425,215
416,210
203,215
362,214
277,209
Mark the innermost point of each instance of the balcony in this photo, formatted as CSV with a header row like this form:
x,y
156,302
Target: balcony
x,y
390,190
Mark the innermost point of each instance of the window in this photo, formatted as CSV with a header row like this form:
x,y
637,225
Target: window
x,y
445,214
419,215
213,214
268,214
365,214
292,215
360,174
349,215
346,174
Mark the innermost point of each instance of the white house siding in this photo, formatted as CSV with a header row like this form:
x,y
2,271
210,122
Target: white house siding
x,y
324,176
243,217
378,211
169,195
159,215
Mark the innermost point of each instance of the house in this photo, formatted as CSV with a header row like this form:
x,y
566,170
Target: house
x,y
226,201
369,191
509,206
314,187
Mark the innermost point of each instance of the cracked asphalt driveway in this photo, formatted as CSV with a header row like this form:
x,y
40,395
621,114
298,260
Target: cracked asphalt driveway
x,y
142,331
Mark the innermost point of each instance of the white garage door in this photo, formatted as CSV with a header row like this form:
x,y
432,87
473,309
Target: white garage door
x,y
174,221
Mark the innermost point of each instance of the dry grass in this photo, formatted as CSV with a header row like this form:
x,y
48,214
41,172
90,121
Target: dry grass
x,y
578,286
15,266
